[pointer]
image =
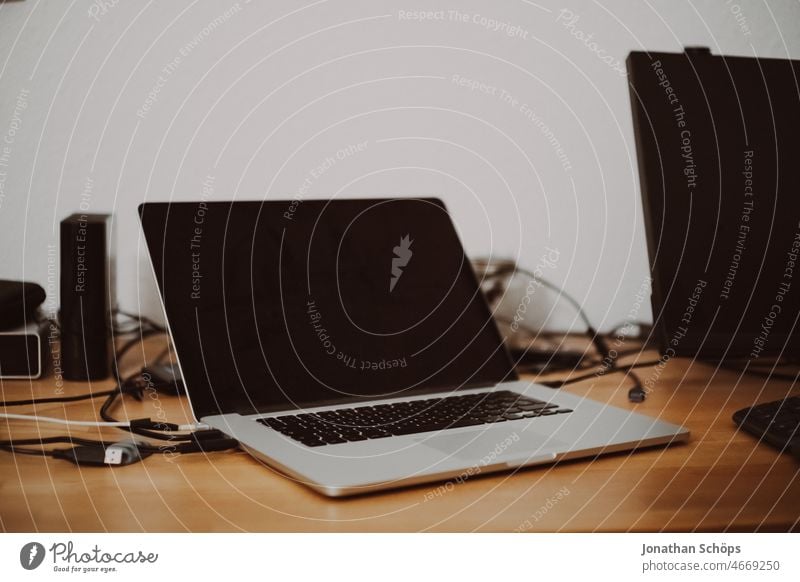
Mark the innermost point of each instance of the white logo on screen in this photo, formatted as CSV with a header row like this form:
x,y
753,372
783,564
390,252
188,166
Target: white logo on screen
x,y
402,255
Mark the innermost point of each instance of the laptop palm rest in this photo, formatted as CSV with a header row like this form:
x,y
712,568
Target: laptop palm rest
x,y
492,447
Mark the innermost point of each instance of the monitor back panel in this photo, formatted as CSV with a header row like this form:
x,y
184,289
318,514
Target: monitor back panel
x,y
719,164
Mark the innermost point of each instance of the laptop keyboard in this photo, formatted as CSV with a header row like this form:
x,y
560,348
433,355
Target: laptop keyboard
x,y
403,418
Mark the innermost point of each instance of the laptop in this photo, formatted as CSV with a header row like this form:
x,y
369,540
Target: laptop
x,y
347,344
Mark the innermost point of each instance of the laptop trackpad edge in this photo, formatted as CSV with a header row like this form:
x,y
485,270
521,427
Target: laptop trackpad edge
x,y
490,447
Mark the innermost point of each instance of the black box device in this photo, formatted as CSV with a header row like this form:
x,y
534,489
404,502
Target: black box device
x,y
87,296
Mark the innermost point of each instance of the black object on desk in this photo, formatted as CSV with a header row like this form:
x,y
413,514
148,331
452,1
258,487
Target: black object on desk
x,y
776,423
87,296
19,303
23,341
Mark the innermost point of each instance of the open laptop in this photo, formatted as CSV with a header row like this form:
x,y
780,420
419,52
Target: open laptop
x,y
347,344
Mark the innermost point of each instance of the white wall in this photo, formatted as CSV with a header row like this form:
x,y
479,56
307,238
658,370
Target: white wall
x,y
261,98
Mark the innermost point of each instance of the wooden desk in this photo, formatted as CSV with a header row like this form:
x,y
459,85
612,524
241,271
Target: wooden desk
x,y
721,480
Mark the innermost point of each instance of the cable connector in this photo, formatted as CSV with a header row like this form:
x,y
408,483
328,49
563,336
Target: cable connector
x,y
552,383
155,425
166,426
117,454
121,453
637,394
207,445
194,426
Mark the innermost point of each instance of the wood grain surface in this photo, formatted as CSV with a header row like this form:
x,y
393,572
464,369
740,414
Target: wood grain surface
x,y
721,480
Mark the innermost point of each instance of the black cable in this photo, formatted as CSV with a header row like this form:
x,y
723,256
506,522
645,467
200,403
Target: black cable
x,y
162,355
59,399
505,271
128,386
195,445
644,328
532,360
115,372
617,369
521,325
105,414
35,401
127,346
136,325
201,446
19,451
123,387
637,393
143,320
198,441
70,440
509,269
596,338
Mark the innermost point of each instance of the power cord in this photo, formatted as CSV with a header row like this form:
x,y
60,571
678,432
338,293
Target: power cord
x,y
57,399
503,271
134,385
128,424
88,452
102,453
635,394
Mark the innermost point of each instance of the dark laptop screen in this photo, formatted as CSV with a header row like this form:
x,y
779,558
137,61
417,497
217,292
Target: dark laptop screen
x,y
281,304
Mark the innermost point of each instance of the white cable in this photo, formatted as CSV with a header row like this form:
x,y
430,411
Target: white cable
x,y
61,420
123,424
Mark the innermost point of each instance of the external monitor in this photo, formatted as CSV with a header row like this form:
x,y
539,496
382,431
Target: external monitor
x,y
719,165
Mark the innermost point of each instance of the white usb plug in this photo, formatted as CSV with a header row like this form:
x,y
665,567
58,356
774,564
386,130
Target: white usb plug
x,y
122,453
